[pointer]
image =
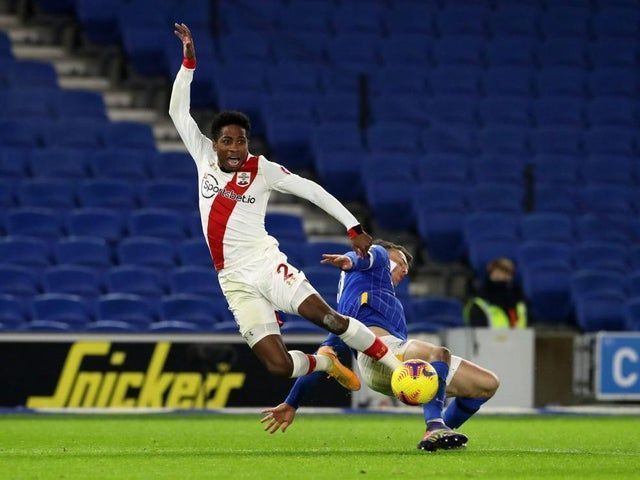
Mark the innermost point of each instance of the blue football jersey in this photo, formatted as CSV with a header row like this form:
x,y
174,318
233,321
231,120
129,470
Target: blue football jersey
x,y
369,284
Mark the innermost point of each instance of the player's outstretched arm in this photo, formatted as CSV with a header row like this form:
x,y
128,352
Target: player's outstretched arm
x,y
184,34
343,262
279,417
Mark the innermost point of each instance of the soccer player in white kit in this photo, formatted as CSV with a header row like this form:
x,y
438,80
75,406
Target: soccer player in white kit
x,y
255,276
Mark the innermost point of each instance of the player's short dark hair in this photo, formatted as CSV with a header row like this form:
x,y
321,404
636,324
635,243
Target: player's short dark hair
x,y
390,245
229,117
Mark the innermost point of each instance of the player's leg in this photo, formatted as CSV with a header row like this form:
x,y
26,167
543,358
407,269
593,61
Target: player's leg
x,y
438,435
472,386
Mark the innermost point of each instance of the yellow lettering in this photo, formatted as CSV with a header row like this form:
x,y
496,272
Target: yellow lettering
x,y
184,391
228,382
155,382
126,380
108,381
71,366
85,390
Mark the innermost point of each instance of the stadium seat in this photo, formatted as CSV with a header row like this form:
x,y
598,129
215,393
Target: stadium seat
x,y
612,81
561,52
174,166
178,194
146,251
28,73
405,49
443,167
533,254
195,252
502,110
30,103
568,81
13,161
432,309
508,80
129,135
506,169
99,19
300,46
610,140
553,168
454,80
315,249
393,137
121,163
632,314
604,111
137,280
503,140
339,173
490,225
555,198
195,280
590,281
285,226
299,325
175,327
441,231
12,312
354,51
458,50
26,251
453,139
294,77
453,110
289,141
78,104
461,20
599,255
51,326
96,222
556,140
386,199
157,222
612,52
195,309
87,251
112,326
356,17
601,312
410,17
19,281
607,199
566,22
20,133
64,163
126,307
109,193
554,111
72,279
603,228
73,310
615,22
74,133
546,289
482,252
49,193
514,22
391,110
496,197
37,222
547,227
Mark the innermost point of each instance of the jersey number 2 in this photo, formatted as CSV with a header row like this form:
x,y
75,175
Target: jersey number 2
x,y
285,267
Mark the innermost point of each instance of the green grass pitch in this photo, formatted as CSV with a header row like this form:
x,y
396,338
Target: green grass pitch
x,y
315,447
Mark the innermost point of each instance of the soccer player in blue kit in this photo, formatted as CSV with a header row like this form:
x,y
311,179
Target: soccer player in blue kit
x,y
367,291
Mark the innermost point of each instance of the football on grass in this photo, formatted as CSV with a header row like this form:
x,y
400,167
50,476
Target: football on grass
x,y
414,382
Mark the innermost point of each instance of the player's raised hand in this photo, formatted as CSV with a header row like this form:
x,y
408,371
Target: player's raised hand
x,y
184,34
361,243
341,261
279,417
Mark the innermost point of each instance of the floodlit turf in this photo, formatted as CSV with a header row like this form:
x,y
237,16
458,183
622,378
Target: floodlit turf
x,y
322,447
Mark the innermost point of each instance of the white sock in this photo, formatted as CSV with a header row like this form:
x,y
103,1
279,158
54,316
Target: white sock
x,y
358,336
304,364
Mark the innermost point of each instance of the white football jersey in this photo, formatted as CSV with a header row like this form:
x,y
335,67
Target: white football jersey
x,y
233,205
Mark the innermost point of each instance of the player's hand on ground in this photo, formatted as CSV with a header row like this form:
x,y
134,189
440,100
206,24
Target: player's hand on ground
x,y
184,34
361,243
341,261
279,417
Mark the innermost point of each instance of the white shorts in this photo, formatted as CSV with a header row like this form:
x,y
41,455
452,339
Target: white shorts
x,y
255,292
378,377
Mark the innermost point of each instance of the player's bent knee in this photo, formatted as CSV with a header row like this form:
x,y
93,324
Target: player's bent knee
x,y
493,384
441,354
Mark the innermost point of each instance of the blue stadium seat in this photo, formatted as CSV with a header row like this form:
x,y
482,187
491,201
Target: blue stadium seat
x,y
490,225
440,196
601,255
21,250
498,110
388,166
185,307
20,133
508,80
603,111
339,173
337,107
250,16
88,251
452,110
46,193
289,139
194,252
144,48
461,20
504,140
72,133
96,222
121,163
546,290
561,52
65,163
145,251
337,137
301,46
294,250
30,103
175,327
547,227
608,169
28,73
99,19
314,250
413,17
558,111
458,50
496,197
112,326
429,309
108,193
78,104
50,326
393,109
405,49
12,312
549,168
620,82
73,279
129,135
32,221
544,253
506,169
514,22
481,252
549,197
386,199
294,77
195,13
355,51
596,281
603,227
616,22
607,199
285,226
173,165
632,313
325,281
565,21
299,325
73,310
19,281
287,105
165,193
449,139
568,81
310,17
454,80
556,140
443,167
510,52
358,17
195,280
610,140
340,80
441,231
157,222
602,311
126,307
6,198
613,52
137,280
393,137
13,161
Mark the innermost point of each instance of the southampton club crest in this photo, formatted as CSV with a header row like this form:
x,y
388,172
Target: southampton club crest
x,y
243,179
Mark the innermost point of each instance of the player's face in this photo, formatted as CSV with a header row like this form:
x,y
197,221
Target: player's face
x,y
232,148
402,267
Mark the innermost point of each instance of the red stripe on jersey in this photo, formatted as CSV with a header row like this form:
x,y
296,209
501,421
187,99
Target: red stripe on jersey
x,y
221,210
377,350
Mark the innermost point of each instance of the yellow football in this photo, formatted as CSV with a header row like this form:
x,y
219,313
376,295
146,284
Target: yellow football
x,y
414,382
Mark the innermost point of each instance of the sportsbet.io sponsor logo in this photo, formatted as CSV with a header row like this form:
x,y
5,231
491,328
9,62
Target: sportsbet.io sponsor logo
x,y
107,384
210,188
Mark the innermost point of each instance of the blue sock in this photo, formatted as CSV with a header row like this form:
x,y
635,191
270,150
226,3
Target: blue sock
x,y
461,409
433,409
